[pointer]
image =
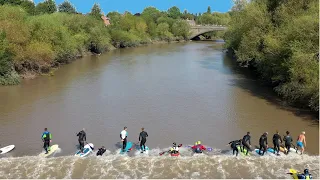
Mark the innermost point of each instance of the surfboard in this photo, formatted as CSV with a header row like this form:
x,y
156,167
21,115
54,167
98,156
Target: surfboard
x,y
53,148
269,152
294,173
128,148
244,151
144,152
6,149
86,150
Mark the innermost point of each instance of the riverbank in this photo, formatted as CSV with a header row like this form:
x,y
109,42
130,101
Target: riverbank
x,y
279,48
28,73
34,44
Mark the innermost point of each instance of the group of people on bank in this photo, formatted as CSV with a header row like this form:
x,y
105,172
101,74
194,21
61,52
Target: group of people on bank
x,y
245,143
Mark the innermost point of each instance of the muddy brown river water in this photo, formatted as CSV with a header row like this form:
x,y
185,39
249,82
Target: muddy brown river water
x,y
178,92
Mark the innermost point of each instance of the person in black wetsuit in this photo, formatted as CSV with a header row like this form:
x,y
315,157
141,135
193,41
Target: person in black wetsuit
x,y
263,142
246,139
276,138
82,138
234,145
143,139
101,151
287,141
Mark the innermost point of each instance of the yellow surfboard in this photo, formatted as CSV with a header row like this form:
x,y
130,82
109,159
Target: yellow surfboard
x,y
53,148
294,173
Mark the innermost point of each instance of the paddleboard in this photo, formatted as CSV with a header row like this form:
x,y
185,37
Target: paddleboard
x,y
293,150
86,150
244,151
265,153
178,154
144,152
128,148
53,148
6,149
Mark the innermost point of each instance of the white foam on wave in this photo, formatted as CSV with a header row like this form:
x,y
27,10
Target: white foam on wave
x,y
112,165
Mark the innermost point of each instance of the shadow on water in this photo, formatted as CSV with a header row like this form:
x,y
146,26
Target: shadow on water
x,y
248,81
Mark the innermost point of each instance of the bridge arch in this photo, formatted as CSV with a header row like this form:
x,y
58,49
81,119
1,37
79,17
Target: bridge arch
x,y
199,30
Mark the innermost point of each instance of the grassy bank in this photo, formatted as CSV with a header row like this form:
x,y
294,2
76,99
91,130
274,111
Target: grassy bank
x,y
280,41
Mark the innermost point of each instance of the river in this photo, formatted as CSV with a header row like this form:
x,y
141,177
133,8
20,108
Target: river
x,y
178,92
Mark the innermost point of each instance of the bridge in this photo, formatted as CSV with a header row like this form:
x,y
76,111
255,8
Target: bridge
x,y
199,30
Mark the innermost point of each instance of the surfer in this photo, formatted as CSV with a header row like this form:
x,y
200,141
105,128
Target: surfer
x,y
246,139
123,137
46,138
101,151
305,175
143,139
174,149
82,138
198,147
234,145
276,138
287,141
300,141
263,142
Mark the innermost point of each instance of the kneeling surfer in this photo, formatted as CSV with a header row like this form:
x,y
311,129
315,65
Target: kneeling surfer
x,y
234,145
198,147
174,149
101,151
305,175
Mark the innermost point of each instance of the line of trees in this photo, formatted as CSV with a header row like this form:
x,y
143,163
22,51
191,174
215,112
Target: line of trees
x,y
280,40
36,37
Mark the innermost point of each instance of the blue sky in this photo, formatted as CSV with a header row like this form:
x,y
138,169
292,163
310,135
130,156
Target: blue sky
x,y
134,6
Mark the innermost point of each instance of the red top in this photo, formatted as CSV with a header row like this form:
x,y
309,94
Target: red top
x,y
199,146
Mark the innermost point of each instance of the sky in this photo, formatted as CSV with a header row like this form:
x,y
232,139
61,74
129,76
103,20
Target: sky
x,y
137,6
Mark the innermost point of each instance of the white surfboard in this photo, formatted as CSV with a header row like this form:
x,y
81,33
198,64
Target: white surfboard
x,y
87,150
6,149
53,149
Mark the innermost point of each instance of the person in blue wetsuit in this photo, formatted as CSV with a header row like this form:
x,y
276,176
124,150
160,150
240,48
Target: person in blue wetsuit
x,y
123,137
287,141
46,138
305,175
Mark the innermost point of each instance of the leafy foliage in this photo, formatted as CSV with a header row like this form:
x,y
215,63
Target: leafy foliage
x,y
280,39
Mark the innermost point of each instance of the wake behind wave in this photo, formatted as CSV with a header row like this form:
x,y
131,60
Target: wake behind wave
x,y
216,164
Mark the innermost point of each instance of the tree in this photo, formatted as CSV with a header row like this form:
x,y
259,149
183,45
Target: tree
x,y
28,6
174,12
96,11
151,14
239,5
46,7
5,56
67,7
181,29
209,10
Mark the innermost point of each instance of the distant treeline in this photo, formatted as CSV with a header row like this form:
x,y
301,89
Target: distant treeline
x,y
35,38
279,39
